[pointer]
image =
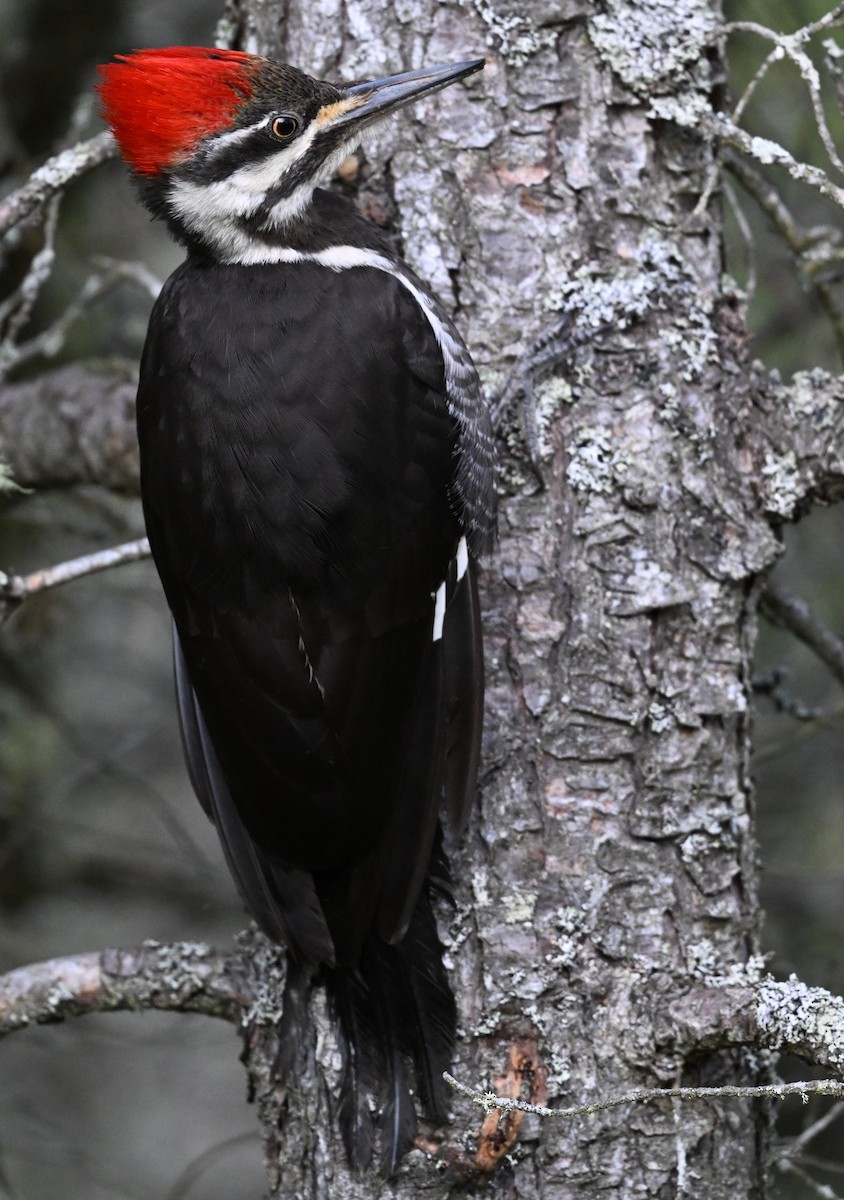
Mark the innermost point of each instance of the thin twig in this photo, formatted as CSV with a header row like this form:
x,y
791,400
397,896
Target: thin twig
x,y
207,1161
773,685
773,56
796,1146
17,309
799,36
14,589
794,614
766,151
775,1091
805,243
803,733
747,238
821,1164
50,341
54,175
819,1189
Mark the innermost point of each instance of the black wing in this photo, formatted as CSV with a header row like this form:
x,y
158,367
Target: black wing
x,y
300,505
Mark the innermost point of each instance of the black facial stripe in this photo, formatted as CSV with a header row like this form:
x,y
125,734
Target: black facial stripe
x,y
306,170
214,164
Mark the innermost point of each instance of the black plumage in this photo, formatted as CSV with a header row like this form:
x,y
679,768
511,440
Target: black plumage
x,y
317,480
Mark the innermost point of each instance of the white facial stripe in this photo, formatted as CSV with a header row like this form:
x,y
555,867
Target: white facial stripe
x,y
294,205
214,145
290,207
458,367
211,211
260,177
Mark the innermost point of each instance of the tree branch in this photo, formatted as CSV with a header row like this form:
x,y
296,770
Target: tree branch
x,y
796,438
180,977
817,248
14,589
793,613
70,426
787,1017
489,1101
53,176
768,152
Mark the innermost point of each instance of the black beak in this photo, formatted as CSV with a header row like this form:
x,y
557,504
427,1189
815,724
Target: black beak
x,y
379,97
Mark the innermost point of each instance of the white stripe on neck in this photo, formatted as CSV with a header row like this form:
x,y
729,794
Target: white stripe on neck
x,y
341,258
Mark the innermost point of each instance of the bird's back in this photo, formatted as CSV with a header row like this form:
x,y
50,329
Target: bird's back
x,y
298,502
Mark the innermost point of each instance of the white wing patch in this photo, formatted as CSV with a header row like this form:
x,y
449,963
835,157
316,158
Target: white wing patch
x,y
439,612
462,558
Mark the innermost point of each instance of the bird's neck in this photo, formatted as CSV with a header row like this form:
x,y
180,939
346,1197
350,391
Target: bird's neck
x,y
217,223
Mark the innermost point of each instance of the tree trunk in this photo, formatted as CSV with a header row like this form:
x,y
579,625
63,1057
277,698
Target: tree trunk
x,y
609,869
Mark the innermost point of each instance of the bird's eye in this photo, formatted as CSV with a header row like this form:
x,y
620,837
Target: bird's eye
x,y
284,127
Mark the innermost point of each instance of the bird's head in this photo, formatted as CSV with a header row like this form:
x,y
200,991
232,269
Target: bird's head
x,y
229,147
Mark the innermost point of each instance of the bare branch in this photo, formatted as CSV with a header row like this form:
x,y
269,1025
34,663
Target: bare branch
x,y
14,589
50,341
803,733
818,1189
800,36
180,977
70,426
744,99
17,309
54,175
793,613
796,1146
747,238
489,1101
768,152
816,248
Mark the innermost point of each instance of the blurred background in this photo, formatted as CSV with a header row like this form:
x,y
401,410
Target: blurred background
x,y
101,842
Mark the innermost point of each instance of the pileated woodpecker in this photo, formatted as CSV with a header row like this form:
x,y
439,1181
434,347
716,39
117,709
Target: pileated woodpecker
x,y
318,479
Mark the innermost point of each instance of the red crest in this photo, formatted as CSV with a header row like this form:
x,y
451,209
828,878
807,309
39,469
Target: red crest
x,y
159,103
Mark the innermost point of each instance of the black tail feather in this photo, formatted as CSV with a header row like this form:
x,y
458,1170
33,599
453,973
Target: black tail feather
x,y
432,1013
395,1008
361,1063
381,965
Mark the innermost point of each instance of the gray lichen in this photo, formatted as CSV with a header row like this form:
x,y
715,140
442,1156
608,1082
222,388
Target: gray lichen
x,y
512,34
651,45
794,1015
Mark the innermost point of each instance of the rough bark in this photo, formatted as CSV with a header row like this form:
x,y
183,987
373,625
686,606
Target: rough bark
x,y
69,426
610,863
604,930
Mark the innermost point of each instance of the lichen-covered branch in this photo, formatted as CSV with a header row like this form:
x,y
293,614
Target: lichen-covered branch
x,y
51,178
768,152
490,1102
796,440
70,426
180,977
817,249
788,1017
